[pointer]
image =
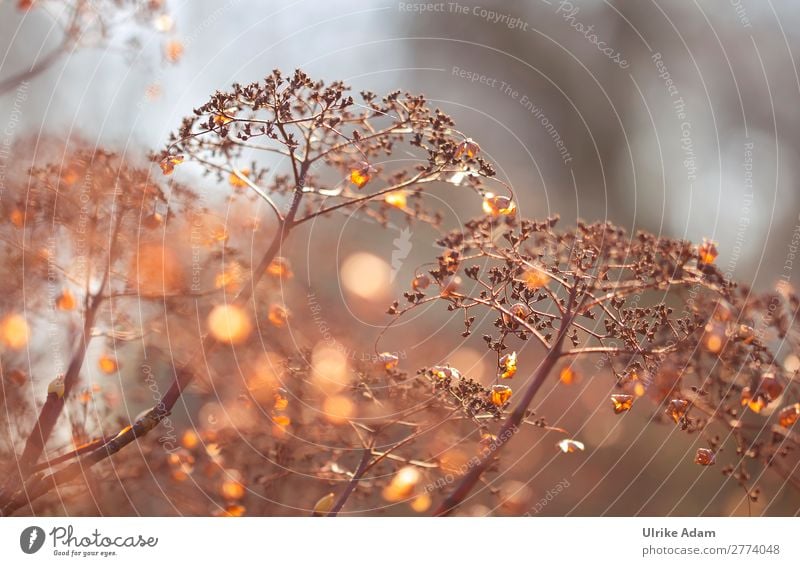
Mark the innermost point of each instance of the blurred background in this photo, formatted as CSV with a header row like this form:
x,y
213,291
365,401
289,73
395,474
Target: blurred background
x,y
676,117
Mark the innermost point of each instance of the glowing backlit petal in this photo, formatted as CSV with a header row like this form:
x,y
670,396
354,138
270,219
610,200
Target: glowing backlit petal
x,y
388,360
397,199
280,268
468,147
707,252
362,174
168,163
236,181
622,403
278,315
535,279
789,415
568,445
496,206
500,395
508,365
676,409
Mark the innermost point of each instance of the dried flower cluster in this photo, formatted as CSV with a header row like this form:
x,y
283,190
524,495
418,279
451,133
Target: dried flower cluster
x,y
94,245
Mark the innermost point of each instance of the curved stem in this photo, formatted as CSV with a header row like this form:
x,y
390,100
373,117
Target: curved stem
x,y
512,424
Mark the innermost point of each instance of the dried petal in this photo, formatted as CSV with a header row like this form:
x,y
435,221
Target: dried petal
x,y
445,372
569,445
677,408
621,403
508,364
280,400
789,415
468,147
519,311
278,315
705,457
280,268
500,395
168,163
236,181
496,206
420,282
362,174
535,279
388,360
66,301
397,199
707,252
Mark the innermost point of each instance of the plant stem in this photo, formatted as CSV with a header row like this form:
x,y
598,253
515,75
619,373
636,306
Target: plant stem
x,y
512,424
